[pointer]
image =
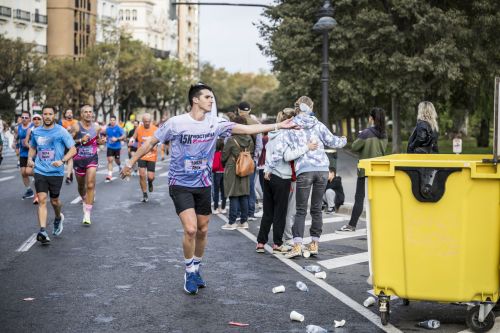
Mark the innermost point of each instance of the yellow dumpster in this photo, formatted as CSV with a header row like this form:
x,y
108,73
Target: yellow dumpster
x,y
434,223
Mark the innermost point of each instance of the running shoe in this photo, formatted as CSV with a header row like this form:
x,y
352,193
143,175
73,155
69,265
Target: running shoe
x,y
199,280
58,226
86,220
243,225
330,210
145,197
260,248
190,283
43,237
228,226
28,194
150,186
108,179
345,229
281,248
252,218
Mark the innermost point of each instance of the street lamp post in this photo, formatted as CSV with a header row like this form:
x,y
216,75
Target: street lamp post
x,y
325,23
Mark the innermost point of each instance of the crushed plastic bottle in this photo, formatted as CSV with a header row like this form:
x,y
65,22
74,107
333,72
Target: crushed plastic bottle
x,y
312,268
315,329
301,286
430,324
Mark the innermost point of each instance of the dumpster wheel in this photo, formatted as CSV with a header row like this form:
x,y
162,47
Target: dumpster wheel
x,y
384,309
473,323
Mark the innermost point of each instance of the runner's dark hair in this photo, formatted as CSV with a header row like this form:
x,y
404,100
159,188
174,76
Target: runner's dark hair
x,y
378,115
49,107
195,91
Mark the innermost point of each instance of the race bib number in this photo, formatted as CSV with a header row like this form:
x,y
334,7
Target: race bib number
x,y
195,164
47,155
86,151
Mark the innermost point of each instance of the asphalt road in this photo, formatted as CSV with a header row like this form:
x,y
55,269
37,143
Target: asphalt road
x,y
125,272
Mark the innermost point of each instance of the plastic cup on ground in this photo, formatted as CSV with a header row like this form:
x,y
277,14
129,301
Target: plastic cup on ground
x,y
279,289
295,316
320,275
369,301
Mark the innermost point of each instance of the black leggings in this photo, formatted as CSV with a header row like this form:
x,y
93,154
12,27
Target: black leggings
x,y
359,200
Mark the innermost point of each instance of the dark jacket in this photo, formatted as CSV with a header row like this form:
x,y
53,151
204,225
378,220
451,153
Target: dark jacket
x,y
235,186
423,140
370,143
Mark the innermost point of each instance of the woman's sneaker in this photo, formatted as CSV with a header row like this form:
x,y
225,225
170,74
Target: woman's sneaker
x,y
190,283
296,251
313,248
228,226
260,248
346,229
281,248
243,225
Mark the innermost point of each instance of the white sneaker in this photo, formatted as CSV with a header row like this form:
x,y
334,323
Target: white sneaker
x,y
259,213
252,218
242,225
228,226
223,211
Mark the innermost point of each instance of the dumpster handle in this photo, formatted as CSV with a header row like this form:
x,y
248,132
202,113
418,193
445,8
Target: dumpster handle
x,y
428,184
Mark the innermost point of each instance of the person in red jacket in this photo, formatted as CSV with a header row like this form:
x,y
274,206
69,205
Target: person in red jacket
x,y
218,179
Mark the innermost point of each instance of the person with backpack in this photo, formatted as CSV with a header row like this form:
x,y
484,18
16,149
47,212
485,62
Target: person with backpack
x,y
218,178
238,148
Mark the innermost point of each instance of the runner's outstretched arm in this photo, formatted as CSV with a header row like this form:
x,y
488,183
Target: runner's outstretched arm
x,y
146,147
259,128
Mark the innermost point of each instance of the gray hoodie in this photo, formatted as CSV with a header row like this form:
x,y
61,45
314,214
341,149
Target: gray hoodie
x,y
297,140
275,163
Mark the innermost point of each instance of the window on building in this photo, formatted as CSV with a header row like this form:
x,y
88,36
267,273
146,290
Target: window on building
x,y
77,3
120,15
88,6
134,15
127,15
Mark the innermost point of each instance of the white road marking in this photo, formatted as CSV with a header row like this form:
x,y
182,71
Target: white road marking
x,y
359,308
329,220
344,261
163,174
27,244
76,200
10,170
335,236
6,178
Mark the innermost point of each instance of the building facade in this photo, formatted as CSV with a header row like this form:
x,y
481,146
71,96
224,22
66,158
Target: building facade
x,y
72,28
107,20
26,20
151,22
188,30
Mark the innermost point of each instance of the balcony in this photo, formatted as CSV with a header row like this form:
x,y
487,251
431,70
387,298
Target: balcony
x,y
22,15
5,12
40,48
40,19
160,54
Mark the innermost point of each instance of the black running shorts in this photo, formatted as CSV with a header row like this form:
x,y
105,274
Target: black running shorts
x,y
113,152
49,184
23,162
150,165
198,198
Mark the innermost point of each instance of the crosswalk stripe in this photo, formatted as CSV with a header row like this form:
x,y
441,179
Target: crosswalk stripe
x,y
76,200
10,170
329,220
27,244
345,260
335,236
6,178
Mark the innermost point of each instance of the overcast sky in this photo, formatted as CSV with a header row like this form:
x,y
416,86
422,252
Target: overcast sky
x,y
228,37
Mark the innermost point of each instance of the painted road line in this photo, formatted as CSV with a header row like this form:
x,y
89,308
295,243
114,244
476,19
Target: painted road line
x,y
335,236
359,308
163,174
345,260
76,200
27,244
329,220
10,170
6,178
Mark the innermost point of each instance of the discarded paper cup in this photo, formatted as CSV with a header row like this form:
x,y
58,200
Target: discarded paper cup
x,y
279,289
339,323
306,253
320,275
294,315
369,301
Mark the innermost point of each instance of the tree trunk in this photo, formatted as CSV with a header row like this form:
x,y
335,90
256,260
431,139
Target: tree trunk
x,y
356,125
363,123
483,139
396,125
349,131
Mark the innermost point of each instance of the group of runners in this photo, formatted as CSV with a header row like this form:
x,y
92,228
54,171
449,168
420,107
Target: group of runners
x,y
192,137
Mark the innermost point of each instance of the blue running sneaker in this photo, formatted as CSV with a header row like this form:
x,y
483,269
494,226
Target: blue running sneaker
x,y
43,237
199,280
190,285
58,226
28,194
